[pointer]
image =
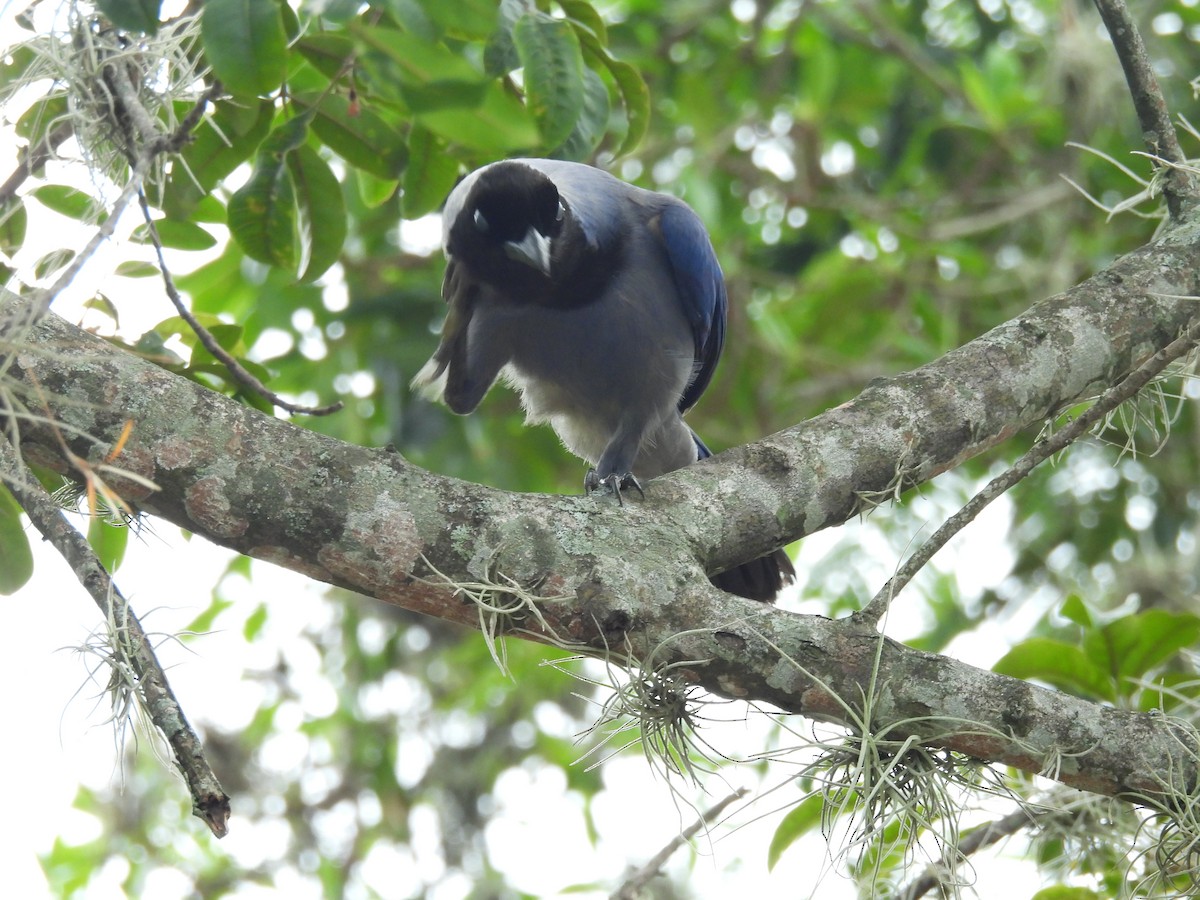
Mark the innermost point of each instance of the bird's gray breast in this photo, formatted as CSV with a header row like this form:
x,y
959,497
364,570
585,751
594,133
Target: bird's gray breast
x,y
590,368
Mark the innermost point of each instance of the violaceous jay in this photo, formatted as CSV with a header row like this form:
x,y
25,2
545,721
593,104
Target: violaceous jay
x,y
603,304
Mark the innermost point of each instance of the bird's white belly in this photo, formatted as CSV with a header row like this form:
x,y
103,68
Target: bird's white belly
x,y
584,432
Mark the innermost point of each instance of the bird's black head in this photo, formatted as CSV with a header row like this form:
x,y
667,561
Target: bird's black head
x,y
505,231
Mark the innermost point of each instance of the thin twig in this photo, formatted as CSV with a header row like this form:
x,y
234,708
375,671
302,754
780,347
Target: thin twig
x,y
182,135
1105,403
209,801
639,879
232,365
979,839
32,158
142,132
1155,119
44,297
235,368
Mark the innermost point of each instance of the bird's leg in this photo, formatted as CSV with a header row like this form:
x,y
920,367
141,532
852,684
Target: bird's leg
x,y
614,468
614,483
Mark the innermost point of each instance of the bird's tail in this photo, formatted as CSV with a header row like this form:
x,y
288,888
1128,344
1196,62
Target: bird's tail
x,y
759,579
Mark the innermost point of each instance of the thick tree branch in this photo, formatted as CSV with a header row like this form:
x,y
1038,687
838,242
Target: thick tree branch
x,y
635,576
1037,454
903,431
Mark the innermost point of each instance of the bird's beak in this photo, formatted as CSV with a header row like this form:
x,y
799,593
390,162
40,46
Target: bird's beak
x,y
532,250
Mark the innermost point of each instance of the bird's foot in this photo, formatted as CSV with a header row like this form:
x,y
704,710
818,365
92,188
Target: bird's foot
x,y
614,483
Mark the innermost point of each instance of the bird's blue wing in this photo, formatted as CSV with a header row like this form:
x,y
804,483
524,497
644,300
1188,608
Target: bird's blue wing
x,y
701,287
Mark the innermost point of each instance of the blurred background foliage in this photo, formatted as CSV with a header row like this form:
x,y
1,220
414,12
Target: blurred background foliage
x,y
882,181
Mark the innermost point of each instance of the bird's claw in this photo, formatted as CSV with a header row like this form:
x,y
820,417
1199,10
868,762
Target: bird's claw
x,y
614,483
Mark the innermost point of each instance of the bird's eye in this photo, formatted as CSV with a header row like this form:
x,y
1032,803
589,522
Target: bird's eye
x,y
561,211
481,224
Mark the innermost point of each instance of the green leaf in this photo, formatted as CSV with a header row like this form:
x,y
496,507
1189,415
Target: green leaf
x,y
16,556
801,819
635,96
208,209
289,136
463,18
254,622
220,146
416,61
583,13
20,57
327,53
51,262
262,213
1066,892
246,44
156,351
204,622
13,224
67,201
41,116
593,121
430,175
103,304
108,540
372,191
439,95
227,335
884,852
1076,610
322,210
176,234
291,21
153,342
413,18
136,269
1131,646
992,87
549,51
1169,691
500,124
360,136
500,53
70,866
132,15
221,284
1064,666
